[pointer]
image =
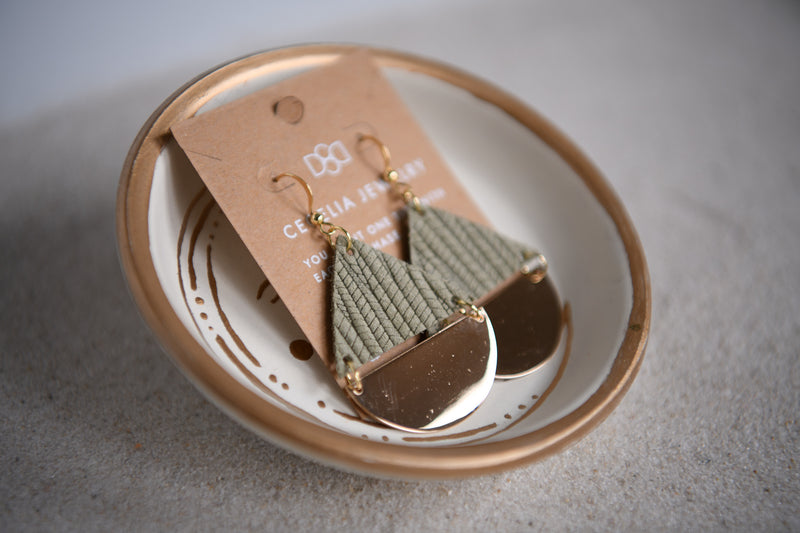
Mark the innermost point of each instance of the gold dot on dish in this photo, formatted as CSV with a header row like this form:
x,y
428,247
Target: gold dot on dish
x,y
520,407
535,396
204,316
364,437
301,349
285,386
385,438
507,416
321,404
273,378
199,300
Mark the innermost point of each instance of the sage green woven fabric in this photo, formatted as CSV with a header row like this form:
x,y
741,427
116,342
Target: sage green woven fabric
x,y
380,301
475,257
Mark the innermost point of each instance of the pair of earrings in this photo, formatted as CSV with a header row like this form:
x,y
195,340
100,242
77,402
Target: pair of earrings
x,y
417,345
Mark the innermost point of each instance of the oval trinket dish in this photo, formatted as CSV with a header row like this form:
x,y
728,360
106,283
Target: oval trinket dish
x,y
226,329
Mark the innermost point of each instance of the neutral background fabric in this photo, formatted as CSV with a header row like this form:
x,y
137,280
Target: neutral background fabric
x,y
691,110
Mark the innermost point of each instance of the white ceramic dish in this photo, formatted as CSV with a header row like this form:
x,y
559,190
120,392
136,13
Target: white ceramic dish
x,y
210,305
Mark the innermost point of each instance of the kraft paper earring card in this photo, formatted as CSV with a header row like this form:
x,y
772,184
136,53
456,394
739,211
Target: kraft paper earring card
x,y
310,125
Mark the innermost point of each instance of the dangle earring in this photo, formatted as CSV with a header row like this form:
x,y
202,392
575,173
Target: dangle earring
x,y
408,349
507,278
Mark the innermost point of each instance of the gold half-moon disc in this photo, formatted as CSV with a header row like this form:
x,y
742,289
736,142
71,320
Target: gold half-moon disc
x,y
527,321
435,383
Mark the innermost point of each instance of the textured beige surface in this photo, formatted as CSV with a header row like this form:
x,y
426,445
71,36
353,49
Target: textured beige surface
x,y
691,110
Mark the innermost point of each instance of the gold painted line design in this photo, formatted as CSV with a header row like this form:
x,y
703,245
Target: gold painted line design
x,y
262,288
301,349
452,436
212,282
232,357
244,370
349,416
356,418
257,382
185,221
193,242
184,225
253,379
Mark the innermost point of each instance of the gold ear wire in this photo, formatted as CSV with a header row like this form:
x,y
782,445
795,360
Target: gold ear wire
x,y
302,182
391,176
387,156
315,217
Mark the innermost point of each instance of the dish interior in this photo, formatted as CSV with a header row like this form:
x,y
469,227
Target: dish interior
x,y
525,189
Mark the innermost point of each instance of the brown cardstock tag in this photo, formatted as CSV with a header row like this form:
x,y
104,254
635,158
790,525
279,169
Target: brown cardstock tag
x,y
310,125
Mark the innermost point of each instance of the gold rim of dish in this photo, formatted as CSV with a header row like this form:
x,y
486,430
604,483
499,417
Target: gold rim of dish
x,y
377,458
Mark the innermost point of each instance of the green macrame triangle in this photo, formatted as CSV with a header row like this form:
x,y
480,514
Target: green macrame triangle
x,y
473,256
380,301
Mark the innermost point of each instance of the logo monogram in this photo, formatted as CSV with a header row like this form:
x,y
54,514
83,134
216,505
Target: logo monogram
x,y
327,159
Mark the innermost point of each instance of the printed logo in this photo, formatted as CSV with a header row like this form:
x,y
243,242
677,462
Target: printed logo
x,y
327,159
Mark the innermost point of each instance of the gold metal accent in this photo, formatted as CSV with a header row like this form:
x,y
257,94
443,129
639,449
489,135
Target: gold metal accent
x,y
392,177
535,268
353,378
316,218
470,309
434,383
528,322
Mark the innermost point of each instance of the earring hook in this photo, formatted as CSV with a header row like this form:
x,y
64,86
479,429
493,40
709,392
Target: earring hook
x,y
302,182
316,217
387,156
391,176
